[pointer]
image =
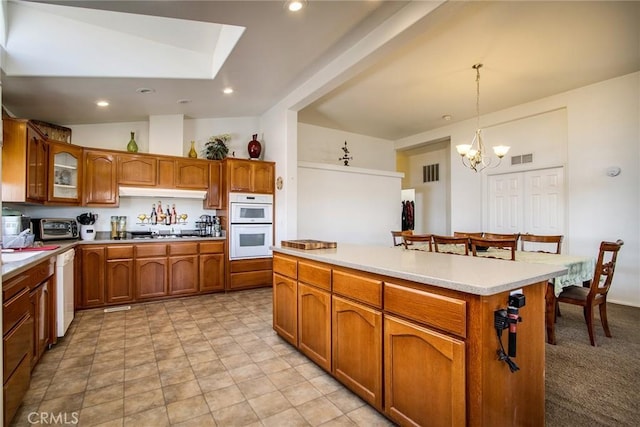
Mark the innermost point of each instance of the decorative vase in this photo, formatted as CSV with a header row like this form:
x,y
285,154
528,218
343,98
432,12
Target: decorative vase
x,y
192,153
132,147
254,147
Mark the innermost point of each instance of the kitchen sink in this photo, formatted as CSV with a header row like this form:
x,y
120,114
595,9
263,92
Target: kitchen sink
x,y
18,256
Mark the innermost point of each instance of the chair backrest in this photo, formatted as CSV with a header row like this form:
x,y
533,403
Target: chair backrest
x,y
605,266
496,236
461,243
410,239
395,235
484,243
465,234
536,238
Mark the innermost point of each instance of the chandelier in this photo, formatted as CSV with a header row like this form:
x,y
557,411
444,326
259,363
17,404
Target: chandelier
x,y
473,155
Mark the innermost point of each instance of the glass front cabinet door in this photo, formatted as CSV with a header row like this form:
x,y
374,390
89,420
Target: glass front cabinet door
x,y
65,173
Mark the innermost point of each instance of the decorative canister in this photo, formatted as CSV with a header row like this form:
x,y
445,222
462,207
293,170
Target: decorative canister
x,y
254,147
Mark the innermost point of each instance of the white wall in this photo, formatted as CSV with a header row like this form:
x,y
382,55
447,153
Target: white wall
x,y
431,198
593,127
349,205
115,136
323,145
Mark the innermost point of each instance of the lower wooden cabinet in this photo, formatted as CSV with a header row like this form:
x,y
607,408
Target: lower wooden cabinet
x,y
250,273
285,308
211,266
183,275
43,318
424,375
124,273
119,281
314,324
151,277
28,325
119,274
92,276
357,349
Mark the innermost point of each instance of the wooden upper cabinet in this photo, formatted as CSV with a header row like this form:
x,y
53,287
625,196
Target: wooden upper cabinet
x,y
24,162
64,173
250,176
100,183
192,174
166,173
263,177
215,195
134,169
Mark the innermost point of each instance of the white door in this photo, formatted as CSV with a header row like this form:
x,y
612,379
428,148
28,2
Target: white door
x,y
544,201
527,202
506,203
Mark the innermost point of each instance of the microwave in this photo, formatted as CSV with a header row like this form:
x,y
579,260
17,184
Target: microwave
x,y
54,228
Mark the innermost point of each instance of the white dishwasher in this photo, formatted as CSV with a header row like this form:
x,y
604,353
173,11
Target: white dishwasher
x,y
64,293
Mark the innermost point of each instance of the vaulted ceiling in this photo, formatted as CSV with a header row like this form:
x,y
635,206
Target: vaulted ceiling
x,y
529,49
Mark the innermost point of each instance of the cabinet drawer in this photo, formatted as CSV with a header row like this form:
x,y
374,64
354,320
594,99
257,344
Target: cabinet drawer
x,y
17,345
183,248
445,313
250,279
247,265
212,247
315,274
285,266
41,272
120,252
150,250
14,309
358,287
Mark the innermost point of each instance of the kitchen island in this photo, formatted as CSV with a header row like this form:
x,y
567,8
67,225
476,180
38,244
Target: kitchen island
x,y
412,333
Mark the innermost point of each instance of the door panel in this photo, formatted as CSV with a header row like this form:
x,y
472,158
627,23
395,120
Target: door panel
x,y
527,202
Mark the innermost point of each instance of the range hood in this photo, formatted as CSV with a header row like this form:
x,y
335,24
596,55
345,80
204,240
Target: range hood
x,y
155,192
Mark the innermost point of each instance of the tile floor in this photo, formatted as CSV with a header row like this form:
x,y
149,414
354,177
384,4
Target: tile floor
x,y
211,360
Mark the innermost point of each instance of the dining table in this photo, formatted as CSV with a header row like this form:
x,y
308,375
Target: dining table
x,y
580,271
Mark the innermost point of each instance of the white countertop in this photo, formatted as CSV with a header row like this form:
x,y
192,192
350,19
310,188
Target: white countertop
x,y
473,275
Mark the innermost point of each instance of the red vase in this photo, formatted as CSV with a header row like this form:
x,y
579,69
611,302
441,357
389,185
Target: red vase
x,y
254,147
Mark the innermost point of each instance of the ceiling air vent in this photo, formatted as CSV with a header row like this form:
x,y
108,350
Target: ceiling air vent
x,y
431,173
524,158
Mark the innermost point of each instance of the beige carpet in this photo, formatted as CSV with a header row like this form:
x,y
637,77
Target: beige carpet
x,y
594,386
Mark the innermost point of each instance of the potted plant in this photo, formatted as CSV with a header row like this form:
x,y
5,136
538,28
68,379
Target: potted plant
x,y
216,148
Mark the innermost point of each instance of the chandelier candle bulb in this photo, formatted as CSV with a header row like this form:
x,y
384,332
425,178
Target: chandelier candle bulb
x,y
501,150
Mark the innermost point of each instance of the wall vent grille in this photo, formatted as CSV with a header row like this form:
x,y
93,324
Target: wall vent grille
x,y
431,173
524,158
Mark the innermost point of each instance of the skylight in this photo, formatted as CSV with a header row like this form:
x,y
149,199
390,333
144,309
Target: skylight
x,y
52,40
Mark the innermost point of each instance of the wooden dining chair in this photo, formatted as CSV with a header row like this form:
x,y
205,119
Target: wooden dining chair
x,y
477,245
596,294
395,235
458,242
546,239
465,234
496,236
412,239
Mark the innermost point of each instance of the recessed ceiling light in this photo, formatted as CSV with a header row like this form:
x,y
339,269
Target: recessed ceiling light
x,y
102,104
183,101
446,117
295,5
227,90
144,90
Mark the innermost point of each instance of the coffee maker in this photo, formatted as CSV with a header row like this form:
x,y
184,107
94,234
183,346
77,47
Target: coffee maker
x,y
205,225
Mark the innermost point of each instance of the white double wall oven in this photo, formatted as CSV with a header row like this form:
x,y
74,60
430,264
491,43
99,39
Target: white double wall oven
x,y
250,225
